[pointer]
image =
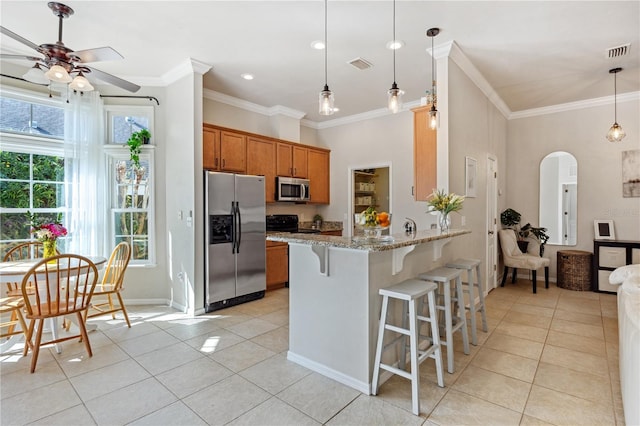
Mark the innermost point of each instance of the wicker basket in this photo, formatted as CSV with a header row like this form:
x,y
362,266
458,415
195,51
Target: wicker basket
x,y
574,270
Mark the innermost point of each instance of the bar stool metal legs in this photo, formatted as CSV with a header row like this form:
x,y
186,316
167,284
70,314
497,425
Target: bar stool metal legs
x,y
443,277
469,265
411,292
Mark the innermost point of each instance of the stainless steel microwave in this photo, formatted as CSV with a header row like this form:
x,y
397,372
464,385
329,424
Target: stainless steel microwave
x,y
292,189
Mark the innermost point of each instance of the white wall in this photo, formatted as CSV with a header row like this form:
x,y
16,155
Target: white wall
x,y
476,129
581,133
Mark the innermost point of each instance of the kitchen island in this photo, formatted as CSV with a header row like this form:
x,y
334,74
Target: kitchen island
x,y
334,305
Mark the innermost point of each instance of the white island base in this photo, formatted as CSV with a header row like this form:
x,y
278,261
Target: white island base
x,y
334,305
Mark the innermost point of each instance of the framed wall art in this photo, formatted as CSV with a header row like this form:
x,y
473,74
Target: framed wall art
x,y
470,175
631,173
604,230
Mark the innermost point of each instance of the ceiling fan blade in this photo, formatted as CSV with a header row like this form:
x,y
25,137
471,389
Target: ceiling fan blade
x,y
21,39
112,79
95,55
28,58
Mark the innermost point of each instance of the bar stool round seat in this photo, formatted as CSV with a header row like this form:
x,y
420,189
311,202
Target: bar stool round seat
x,y
411,292
443,276
473,286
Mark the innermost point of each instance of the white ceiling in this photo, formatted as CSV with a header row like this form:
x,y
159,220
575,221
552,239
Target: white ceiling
x,y
533,53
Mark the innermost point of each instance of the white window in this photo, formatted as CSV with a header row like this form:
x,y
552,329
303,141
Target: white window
x,y
130,189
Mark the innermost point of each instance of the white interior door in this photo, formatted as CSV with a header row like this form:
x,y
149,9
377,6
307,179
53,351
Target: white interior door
x,y
492,223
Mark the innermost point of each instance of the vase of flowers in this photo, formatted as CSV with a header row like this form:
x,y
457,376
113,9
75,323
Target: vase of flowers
x,y
443,203
47,233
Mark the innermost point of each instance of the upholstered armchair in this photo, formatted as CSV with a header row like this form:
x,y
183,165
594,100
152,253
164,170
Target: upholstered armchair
x,y
514,258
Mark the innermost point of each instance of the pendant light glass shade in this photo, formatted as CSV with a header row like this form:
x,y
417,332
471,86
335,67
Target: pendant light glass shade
x,y
394,98
325,99
616,133
58,74
81,84
36,75
433,117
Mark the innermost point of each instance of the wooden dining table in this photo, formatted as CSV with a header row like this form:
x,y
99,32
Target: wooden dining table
x,y
15,270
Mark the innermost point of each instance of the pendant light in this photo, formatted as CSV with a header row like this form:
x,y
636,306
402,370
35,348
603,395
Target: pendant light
x,y
433,112
325,104
394,95
616,133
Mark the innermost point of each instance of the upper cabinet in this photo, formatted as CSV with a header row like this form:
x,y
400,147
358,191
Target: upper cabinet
x,y
224,150
261,160
292,160
319,182
424,155
241,152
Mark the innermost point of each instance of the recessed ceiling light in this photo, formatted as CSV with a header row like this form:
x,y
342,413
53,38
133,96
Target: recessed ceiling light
x,y
395,44
247,76
318,44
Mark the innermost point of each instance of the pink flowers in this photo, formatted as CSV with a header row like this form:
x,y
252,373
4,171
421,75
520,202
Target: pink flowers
x,y
47,231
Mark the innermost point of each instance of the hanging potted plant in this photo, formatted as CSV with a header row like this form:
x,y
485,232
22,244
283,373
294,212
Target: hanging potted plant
x,y
135,142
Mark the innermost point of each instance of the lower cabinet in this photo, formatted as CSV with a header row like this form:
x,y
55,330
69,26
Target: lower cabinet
x,y
609,255
277,264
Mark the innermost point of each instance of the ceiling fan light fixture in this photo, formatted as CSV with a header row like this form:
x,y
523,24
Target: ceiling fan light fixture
x,y
36,75
81,84
58,74
615,133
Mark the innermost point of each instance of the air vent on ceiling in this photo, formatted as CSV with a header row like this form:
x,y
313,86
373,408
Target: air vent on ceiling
x,y
360,63
616,52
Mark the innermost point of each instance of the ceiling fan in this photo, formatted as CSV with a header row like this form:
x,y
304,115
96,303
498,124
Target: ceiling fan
x,y
61,61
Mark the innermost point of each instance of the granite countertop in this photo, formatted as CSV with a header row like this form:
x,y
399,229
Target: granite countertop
x,y
326,226
360,243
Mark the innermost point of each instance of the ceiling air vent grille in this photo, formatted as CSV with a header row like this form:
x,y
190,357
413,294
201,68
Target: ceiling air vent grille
x,y
616,52
360,63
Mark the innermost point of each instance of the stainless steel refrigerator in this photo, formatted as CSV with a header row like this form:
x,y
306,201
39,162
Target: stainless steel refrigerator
x,y
235,254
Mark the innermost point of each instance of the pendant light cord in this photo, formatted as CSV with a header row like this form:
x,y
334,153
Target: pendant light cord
x,y
326,46
615,97
433,74
395,43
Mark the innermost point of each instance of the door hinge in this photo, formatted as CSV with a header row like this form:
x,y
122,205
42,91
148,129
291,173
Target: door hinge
x,y
494,268
495,175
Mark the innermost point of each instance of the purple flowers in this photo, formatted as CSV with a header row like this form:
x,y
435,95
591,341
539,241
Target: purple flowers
x,y
47,231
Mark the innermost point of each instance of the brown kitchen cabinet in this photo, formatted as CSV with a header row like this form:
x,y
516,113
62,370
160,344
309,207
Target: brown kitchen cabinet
x,y
261,160
424,155
292,160
223,150
318,172
277,264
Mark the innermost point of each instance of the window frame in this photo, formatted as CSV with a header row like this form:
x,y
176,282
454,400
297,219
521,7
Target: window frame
x,y
115,152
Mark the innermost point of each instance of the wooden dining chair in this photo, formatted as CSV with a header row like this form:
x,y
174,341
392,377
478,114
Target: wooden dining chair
x,y
14,306
112,285
63,285
22,251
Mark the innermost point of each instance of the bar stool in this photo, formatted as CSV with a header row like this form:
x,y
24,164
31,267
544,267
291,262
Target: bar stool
x,y
443,277
410,291
469,265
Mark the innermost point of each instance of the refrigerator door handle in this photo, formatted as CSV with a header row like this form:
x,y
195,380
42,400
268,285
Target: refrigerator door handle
x,y
239,234
234,230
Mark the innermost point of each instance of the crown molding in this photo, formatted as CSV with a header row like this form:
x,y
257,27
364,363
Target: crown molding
x,y
187,67
376,113
250,106
458,56
571,106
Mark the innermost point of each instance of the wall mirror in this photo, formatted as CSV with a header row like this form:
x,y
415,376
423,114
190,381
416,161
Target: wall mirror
x,y
559,197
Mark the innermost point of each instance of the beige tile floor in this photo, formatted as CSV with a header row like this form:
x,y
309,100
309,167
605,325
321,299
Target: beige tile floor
x,y
549,358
